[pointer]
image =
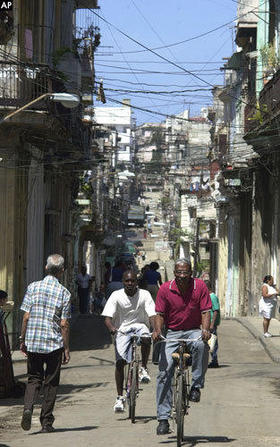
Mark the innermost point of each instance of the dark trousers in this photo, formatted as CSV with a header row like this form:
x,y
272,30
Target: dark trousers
x,y
43,369
83,300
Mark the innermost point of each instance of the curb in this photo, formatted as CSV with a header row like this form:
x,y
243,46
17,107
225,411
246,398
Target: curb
x,y
271,351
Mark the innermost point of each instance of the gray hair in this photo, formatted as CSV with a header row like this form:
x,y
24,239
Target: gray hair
x,y
183,261
55,264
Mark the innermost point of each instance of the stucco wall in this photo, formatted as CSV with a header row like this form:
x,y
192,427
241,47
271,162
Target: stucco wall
x,y
222,264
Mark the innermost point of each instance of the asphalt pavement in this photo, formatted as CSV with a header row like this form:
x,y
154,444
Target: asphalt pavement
x,y
239,406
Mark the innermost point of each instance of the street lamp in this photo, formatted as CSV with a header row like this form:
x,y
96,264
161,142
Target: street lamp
x,y
68,100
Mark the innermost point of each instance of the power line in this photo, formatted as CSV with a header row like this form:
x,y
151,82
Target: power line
x,y
185,40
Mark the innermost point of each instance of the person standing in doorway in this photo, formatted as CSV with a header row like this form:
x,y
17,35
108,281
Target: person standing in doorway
x,y
84,282
45,340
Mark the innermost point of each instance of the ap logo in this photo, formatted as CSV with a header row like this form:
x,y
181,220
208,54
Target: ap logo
x,y
6,6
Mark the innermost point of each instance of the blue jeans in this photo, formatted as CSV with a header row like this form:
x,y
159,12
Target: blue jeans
x,y
199,350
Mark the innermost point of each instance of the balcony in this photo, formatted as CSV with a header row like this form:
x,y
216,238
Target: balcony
x,y
270,95
265,116
20,84
247,21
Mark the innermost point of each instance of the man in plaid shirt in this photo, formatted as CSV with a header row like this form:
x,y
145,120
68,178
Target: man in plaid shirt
x,y
45,340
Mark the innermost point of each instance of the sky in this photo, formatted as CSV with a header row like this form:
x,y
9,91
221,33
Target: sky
x,y
173,76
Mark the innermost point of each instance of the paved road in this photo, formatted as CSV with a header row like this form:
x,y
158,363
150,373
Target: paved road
x,y
239,406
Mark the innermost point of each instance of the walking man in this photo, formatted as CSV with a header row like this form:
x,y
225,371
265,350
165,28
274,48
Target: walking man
x,y
183,305
45,340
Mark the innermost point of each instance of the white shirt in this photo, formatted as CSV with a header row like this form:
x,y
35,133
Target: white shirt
x,y
130,311
83,280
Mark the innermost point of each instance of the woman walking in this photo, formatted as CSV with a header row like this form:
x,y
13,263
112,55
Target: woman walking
x,y
268,302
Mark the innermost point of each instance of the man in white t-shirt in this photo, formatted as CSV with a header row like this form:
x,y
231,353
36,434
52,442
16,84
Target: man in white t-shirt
x,y
131,311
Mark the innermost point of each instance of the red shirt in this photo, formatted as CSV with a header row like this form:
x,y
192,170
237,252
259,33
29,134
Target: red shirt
x,y
183,312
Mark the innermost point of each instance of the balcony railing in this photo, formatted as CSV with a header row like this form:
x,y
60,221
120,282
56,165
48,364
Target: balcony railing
x,y
270,95
20,83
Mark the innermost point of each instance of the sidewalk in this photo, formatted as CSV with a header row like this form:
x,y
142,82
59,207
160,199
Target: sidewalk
x,y
255,326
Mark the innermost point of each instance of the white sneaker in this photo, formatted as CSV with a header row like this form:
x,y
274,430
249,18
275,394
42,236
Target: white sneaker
x,y
267,335
119,404
144,375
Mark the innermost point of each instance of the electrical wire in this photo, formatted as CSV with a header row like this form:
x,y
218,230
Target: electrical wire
x,y
206,33
167,60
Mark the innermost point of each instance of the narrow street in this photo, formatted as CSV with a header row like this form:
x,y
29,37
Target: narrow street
x,y
239,406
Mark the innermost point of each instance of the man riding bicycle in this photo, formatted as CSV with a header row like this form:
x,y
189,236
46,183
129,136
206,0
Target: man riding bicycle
x,y
129,311
183,305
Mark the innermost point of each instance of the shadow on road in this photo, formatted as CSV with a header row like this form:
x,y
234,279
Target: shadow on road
x,y
192,441
89,332
222,366
145,419
102,361
61,430
70,389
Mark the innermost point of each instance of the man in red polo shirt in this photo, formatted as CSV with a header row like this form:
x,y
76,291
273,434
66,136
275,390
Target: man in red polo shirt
x,y
183,305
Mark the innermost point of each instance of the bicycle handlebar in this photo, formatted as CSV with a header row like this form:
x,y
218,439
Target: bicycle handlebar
x,y
130,332
164,339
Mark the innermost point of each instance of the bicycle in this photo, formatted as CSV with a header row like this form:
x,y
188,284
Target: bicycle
x,y
181,386
132,379
132,375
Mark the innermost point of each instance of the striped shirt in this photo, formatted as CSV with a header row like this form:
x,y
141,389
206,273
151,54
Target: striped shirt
x,y
48,302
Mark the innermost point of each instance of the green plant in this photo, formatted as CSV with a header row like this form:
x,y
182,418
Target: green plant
x,y
260,113
202,266
270,57
58,54
87,189
165,202
176,234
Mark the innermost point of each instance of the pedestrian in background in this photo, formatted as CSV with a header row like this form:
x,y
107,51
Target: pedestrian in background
x,y
118,271
215,321
153,279
142,283
98,300
267,304
107,274
84,282
116,282
45,340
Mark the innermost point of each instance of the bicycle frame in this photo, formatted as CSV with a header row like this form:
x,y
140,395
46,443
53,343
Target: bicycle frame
x,y
132,379
132,374
181,384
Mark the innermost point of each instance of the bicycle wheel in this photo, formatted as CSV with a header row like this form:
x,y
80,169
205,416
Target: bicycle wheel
x,y
180,409
133,391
